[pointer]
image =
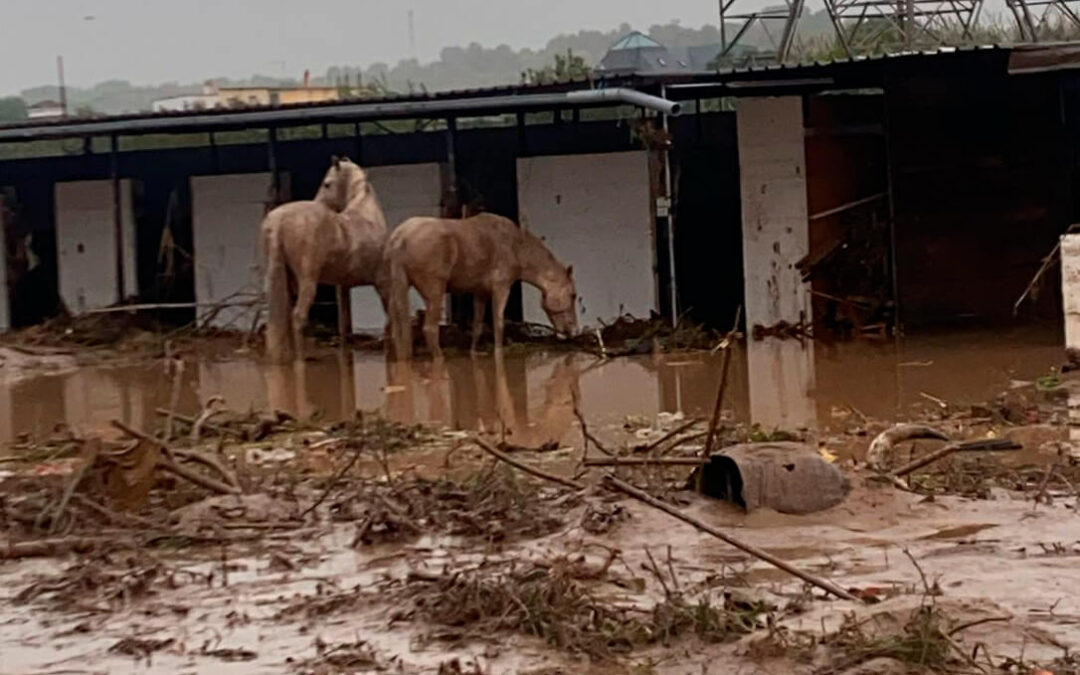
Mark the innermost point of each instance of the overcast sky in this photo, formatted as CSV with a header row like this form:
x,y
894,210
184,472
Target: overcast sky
x,y
153,41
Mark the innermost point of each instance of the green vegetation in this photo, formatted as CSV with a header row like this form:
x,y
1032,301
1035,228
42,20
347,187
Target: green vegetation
x,y
12,109
568,67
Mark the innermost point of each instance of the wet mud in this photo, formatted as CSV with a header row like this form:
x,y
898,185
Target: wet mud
x,y
389,542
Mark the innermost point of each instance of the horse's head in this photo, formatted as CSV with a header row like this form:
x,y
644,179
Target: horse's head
x,y
344,182
560,299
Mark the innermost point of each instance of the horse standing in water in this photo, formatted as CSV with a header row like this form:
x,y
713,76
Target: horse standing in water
x,y
483,255
335,239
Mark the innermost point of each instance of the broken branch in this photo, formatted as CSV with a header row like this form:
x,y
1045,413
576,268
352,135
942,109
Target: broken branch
x,y
645,497
539,473
988,444
170,463
646,461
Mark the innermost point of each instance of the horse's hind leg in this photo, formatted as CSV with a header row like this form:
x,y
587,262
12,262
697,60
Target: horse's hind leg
x,y
434,296
305,296
499,297
479,308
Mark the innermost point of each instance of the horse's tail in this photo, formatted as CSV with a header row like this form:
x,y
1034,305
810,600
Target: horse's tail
x,y
277,291
397,309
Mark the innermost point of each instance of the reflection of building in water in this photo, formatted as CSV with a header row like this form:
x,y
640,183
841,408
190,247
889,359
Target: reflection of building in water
x,y
781,383
86,401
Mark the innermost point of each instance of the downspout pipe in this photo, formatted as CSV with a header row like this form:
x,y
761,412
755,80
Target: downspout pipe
x,y
628,96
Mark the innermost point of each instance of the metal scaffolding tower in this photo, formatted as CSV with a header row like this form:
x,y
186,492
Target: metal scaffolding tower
x,y
778,24
1036,18
865,25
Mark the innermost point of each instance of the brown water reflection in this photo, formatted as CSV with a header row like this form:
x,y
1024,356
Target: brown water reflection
x,y
782,384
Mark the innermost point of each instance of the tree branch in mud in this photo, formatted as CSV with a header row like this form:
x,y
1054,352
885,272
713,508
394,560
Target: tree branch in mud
x,y
670,435
587,437
981,444
718,407
335,480
90,453
44,548
539,473
170,462
645,497
646,461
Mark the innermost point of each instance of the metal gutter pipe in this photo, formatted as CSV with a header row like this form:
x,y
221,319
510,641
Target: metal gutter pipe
x,y
348,112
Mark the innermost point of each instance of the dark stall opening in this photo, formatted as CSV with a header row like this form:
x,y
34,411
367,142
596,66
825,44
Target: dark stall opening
x,y
708,218
164,243
26,215
847,184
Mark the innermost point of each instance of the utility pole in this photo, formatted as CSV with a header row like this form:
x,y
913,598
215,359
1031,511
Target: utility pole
x,y
63,88
412,35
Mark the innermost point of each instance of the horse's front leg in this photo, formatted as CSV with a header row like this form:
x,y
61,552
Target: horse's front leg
x,y
500,294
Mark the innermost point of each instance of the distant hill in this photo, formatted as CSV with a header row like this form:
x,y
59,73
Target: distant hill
x,y
456,68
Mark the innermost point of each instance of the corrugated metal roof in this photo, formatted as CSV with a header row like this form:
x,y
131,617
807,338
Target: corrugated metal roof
x,y
463,100
772,67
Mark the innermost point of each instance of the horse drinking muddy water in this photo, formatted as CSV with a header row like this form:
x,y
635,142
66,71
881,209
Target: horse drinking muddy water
x,y
483,255
335,239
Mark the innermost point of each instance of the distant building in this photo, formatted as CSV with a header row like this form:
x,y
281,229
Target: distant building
x,y
213,96
44,110
206,98
638,54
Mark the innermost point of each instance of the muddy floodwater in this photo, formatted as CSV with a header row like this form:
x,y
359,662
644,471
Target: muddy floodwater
x,y
291,544
777,384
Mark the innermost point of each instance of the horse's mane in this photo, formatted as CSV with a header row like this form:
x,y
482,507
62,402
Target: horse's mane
x,y
537,243
366,201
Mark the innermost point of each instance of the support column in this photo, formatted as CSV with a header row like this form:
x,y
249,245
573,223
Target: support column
x,y
772,169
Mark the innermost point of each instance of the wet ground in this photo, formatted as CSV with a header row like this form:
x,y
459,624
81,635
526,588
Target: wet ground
x,y
311,591
777,384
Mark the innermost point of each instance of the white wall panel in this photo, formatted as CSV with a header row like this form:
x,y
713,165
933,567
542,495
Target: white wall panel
x,y
226,214
86,243
593,212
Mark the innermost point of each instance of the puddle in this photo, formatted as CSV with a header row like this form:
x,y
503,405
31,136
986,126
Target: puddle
x,y
778,384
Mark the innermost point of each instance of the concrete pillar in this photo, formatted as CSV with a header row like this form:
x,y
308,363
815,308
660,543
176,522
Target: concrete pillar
x,y
772,170
1070,294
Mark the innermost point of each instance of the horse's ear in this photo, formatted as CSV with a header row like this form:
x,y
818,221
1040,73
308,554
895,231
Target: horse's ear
x,y
336,161
570,270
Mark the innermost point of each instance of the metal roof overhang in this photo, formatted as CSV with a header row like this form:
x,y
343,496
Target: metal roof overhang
x,y
347,112
1031,59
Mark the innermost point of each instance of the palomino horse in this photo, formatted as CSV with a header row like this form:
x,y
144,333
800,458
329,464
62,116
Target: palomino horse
x,y
483,255
336,239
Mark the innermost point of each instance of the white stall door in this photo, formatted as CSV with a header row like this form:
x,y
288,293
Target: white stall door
x,y
226,213
86,244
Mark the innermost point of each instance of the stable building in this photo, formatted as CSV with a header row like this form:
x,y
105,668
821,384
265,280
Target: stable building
x,y
916,189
